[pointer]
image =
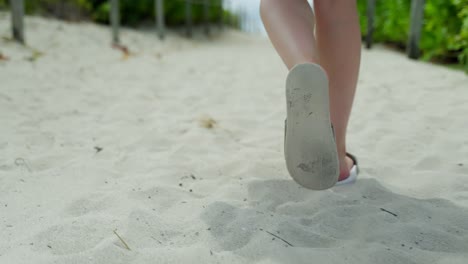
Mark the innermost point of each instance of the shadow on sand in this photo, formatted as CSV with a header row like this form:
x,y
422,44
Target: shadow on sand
x,y
361,223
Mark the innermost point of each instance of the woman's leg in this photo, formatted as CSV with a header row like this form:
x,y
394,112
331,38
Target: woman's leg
x,y
339,45
290,26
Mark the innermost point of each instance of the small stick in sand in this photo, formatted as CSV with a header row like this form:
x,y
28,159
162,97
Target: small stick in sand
x,y
121,240
279,238
36,54
124,49
207,122
98,149
3,57
384,210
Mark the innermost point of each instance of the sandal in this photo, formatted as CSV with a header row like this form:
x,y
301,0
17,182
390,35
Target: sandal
x,y
310,148
353,173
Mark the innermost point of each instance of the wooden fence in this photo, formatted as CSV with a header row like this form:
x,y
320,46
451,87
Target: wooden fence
x,y
159,16
417,16
17,10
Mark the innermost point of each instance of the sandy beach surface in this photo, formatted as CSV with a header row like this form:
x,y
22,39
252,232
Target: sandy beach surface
x,y
174,154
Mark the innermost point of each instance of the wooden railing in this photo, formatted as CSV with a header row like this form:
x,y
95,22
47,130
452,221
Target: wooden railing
x,y
159,16
417,15
17,10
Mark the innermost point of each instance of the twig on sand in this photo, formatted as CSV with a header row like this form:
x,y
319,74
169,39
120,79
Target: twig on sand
x,y
279,238
124,49
7,39
3,57
207,122
98,149
121,240
384,210
36,54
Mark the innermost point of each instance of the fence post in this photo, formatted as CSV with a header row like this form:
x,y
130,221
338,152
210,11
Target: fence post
x,y
206,16
370,22
232,16
115,20
159,12
188,17
242,18
221,14
417,17
17,16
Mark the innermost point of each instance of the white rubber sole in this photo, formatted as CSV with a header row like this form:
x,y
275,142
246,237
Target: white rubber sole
x,y
353,175
310,149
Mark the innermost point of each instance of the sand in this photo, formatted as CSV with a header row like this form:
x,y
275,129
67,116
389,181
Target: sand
x,y
178,149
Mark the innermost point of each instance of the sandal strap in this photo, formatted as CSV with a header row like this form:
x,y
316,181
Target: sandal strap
x,y
352,157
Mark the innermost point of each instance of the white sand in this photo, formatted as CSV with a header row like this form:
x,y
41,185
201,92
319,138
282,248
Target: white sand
x,y
60,201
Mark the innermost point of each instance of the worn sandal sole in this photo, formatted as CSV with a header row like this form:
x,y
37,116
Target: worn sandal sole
x,y
310,148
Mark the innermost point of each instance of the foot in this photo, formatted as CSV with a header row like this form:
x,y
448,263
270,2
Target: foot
x,y
346,164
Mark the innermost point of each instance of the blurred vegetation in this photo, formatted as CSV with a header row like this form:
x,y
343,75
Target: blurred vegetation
x,y
445,32
135,11
132,12
444,37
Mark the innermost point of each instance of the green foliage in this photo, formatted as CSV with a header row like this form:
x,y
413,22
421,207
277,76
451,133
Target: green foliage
x,y
64,9
392,29
391,21
441,26
3,4
461,40
132,12
445,30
